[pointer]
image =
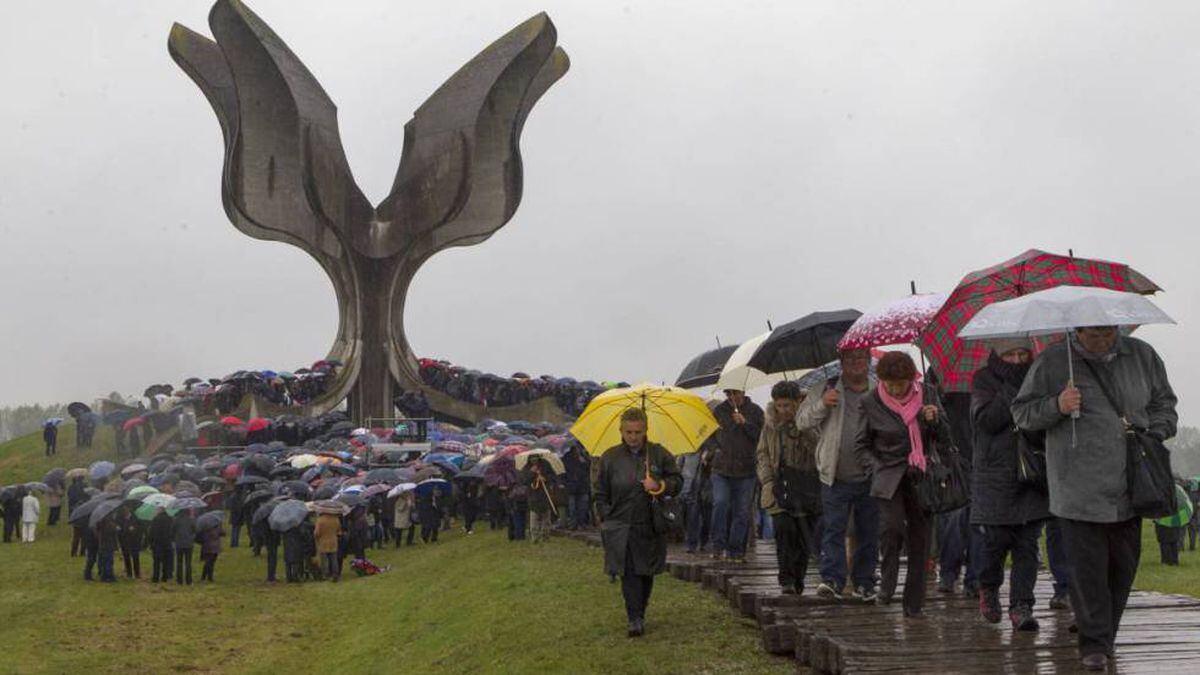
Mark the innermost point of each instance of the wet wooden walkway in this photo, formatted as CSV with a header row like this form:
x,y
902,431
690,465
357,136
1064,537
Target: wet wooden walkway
x,y
1159,634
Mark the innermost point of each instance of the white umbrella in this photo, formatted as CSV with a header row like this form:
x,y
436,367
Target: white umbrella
x,y
737,374
401,489
1059,310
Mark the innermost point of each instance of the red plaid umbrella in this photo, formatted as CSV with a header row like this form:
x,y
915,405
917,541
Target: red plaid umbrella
x,y
895,323
1034,270
231,421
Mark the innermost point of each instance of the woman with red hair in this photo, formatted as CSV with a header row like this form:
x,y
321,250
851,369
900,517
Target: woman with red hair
x,y
896,431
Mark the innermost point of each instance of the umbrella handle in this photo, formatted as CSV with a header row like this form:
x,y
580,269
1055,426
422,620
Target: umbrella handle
x,y
662,484
549,499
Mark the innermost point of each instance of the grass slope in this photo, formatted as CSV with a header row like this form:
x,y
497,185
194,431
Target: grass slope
x,y
467,604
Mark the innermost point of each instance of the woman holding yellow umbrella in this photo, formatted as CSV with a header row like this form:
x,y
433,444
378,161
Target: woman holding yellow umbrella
x,y
635,473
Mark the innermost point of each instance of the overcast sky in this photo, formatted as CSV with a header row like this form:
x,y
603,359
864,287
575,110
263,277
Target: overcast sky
x,y
702,169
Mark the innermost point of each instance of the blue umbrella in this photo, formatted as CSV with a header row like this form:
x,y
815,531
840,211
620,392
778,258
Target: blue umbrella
x,y
425,487
446,457
101,470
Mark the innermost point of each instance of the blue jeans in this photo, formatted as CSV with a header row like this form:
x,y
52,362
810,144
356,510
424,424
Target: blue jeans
x,y
517,519
838,499
105,560
235,534
960,546
731,513
1056,556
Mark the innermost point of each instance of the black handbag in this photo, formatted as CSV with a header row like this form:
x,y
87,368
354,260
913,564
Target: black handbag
x,y
798,491
666,514
943,487
1031,463
1147,464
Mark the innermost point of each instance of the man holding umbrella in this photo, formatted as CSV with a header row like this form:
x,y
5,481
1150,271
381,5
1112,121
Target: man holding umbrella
x,y
1086,458
733,478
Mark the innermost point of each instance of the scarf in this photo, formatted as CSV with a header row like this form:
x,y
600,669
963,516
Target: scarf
x,y
909,409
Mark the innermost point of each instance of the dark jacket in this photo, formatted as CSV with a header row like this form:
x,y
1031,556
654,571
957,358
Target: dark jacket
x,y
1087,477
161,534
625,510
106,536
882,446
996,496
737,443
210,541
539,490
294,545
131,532
578,467
76,494
184,530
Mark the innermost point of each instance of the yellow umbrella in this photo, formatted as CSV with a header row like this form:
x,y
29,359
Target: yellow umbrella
x,y
678,419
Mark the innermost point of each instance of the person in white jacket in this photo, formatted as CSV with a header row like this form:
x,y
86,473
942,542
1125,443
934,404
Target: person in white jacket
x,y
31,512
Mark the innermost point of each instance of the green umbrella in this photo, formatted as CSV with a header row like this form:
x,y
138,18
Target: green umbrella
x,y
141,491
1183,515
148,511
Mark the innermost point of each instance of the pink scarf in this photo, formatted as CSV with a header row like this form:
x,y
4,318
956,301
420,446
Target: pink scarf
x,y
909,408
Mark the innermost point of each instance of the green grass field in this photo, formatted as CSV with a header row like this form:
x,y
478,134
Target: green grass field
x,y
467,604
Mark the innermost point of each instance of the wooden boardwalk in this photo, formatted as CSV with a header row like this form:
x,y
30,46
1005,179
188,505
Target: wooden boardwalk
x,y
1159,634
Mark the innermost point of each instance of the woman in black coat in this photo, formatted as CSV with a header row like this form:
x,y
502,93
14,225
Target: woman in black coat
x,y
1010,512
627,478
886,445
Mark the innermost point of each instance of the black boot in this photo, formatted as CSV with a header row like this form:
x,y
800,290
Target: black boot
x,y
989,605
1021,617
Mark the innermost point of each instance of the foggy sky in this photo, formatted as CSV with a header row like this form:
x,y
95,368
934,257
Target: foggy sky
x,y
702,169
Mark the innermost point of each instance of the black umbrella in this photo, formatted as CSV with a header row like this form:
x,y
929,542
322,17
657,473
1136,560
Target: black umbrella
x,y
705,368
285,471
76,409
258,494
288,514
807,342
210,520
298,489
81,513
263,512
351,499
327,490
55,477
104,509
380,476
250,479
260,464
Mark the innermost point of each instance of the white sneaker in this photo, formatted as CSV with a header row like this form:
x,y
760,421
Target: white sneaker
x,y
826,590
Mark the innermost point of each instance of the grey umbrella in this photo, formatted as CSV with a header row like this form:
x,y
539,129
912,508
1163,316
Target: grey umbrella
x,y
103,510
288,514
81,513
184,503
264,511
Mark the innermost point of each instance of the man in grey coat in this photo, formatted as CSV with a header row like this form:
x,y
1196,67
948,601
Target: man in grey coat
x,y
1086,466
831,409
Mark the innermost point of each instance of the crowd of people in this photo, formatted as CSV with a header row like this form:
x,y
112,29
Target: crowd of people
x,y
845,461
487,389
334,495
